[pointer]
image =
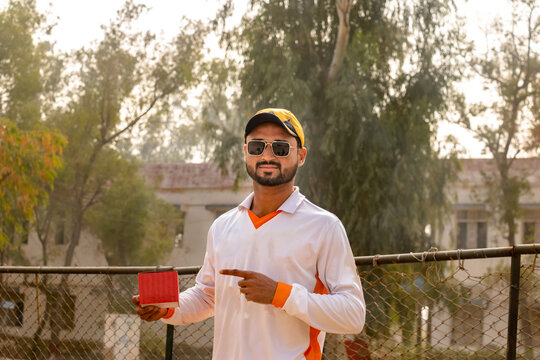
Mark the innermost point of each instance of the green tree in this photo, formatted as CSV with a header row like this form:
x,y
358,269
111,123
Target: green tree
x,y
369,81
113,88
511,68
20,63
123,81
29,153
135,227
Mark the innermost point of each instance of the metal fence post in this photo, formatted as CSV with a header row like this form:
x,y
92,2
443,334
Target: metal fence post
x,y
513,310
169,342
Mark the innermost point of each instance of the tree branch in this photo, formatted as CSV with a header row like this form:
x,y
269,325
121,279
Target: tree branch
x,y
134,121
92,198
343,8
489,76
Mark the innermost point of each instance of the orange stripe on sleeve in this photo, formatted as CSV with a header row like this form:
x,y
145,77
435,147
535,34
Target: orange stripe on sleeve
x,y
313,352
169,313
282,294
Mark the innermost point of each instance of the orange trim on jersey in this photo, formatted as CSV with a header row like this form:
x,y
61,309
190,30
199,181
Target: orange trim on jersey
x,y
257,221
169,313
313,352
282,294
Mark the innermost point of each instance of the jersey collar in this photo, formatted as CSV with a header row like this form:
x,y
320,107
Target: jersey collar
x,y
290,205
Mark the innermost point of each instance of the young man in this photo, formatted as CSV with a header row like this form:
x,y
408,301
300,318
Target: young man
x,y
278,271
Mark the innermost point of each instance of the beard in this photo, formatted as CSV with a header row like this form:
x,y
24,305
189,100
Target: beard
x,y
283,177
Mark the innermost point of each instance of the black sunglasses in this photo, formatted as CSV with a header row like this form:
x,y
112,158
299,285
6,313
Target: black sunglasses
x,y
279,147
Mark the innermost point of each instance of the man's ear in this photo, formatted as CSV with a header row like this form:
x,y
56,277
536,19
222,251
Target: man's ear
x,y
302,153
245,152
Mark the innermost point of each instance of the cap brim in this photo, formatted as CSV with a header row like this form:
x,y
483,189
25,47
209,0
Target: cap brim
x,y
262,118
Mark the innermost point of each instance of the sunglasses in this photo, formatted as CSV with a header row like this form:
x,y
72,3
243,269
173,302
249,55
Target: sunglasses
x,y
279,147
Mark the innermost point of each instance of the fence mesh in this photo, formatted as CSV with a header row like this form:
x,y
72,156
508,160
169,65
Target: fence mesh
x,y
437,310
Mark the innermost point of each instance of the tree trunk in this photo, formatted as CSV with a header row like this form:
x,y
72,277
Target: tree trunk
x,y
74,238
44,252
343,8
511,231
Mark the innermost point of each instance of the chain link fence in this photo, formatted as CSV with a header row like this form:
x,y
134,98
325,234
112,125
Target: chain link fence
x,y
420,306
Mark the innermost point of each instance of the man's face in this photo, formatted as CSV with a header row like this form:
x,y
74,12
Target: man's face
x,y
270,170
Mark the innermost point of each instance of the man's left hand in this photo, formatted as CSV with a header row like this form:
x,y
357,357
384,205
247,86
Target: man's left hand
x,y
255,286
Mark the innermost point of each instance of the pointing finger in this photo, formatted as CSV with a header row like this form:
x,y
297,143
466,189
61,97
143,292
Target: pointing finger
x,y
235,272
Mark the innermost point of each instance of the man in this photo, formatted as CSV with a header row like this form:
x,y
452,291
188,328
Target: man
x,y
278,271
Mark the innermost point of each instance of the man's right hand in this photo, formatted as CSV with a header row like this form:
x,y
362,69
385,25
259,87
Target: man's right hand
x,y
149,312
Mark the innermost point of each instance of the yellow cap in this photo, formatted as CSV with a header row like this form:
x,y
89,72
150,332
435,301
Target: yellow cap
x,y
281,117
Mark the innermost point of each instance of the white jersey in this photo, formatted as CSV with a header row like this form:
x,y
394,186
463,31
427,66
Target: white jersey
x,y
304,248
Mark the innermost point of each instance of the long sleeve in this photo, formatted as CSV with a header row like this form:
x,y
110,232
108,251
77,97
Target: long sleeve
x,y
197,302
343,309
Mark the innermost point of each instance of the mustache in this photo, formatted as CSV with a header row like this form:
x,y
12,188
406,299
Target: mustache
x,y
268,163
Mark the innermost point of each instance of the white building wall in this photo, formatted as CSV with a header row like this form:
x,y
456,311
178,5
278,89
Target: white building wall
x,y
201,208
488,279
89,252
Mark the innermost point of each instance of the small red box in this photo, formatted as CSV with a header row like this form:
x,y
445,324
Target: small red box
x,y
159,289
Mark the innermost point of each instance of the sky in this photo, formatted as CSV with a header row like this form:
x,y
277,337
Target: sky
x,y
78,21
78,24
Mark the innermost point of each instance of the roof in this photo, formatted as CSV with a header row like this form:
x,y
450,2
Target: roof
x,y
208,175
472,169
178,176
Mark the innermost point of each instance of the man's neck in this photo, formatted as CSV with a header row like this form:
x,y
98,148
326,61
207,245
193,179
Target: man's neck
x,y
267,199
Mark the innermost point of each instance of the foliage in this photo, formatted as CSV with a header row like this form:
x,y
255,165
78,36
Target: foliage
x,y
123,83
372,159
135,227
30,153
406,288
20,63
166,142
510,68
222,116
28,164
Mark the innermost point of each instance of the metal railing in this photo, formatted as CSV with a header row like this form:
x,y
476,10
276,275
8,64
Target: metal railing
x,y
460,304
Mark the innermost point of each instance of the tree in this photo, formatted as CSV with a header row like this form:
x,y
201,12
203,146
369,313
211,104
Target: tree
x,y
510,68
135,227
21,61
28,164
29,153
113,88
123,81
369,80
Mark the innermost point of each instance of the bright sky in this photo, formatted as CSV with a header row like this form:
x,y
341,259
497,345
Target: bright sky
x,y
79,21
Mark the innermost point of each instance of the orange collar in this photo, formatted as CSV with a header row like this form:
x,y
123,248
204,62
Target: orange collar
x,y
257,221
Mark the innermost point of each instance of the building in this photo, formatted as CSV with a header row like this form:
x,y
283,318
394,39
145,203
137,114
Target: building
x,y
481,319
473,223
202,192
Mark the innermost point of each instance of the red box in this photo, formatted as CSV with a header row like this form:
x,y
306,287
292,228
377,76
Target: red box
x,y
159,289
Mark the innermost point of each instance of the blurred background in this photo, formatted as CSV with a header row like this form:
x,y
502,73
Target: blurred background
x,y
121,123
